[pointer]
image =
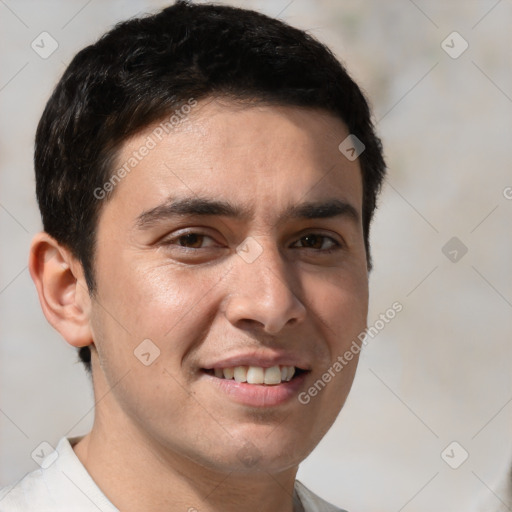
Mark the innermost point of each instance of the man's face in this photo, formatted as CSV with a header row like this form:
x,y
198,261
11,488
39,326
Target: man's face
x,y
236,242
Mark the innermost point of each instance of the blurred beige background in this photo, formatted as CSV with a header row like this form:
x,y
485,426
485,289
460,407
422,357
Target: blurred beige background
x,y
440,372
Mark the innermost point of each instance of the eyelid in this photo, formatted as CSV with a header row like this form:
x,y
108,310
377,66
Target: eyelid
x,y
334,237
171,239
168,239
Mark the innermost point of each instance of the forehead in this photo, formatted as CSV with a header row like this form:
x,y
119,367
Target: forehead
x,y
265,157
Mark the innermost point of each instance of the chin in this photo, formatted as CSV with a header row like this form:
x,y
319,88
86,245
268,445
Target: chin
x,y
249,455
273,450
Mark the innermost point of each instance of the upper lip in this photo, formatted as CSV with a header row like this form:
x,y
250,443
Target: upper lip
x,y
264,360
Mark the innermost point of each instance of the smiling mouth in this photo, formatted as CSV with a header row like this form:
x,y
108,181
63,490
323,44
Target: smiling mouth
x,y
256,374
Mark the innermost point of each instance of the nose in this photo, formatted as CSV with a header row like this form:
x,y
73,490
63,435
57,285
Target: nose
x,y
263,294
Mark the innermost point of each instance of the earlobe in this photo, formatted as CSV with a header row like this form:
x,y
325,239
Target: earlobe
x,y
62,289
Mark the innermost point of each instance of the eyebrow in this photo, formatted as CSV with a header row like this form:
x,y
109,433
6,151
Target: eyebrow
x,y
193,206
323,210
187,206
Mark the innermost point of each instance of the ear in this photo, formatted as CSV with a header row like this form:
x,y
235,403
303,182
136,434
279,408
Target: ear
x,y
62,289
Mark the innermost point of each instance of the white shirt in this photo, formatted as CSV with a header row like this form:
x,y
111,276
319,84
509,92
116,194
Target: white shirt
x,y
64,485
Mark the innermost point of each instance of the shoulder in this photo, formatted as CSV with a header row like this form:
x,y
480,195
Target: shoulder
x,y
311,502
28,491
61,484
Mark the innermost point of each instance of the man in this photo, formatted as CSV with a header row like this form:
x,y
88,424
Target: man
x,y
206,177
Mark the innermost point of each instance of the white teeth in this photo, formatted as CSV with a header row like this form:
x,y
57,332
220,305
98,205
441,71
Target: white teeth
x,y
272,375
240,373
291,373
256,374
229,373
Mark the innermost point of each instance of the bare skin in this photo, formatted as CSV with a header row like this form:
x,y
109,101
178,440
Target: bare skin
x,y
171,435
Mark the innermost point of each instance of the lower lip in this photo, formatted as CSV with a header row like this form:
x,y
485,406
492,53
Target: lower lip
x,y
259,395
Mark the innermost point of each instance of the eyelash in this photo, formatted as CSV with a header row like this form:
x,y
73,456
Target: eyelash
x,y
174,241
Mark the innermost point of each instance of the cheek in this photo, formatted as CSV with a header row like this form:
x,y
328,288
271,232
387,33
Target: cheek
x,y
174,301
339,303
171,306
151,297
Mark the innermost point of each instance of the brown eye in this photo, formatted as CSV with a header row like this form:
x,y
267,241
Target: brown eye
x,y
318,242
313,241
192,240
